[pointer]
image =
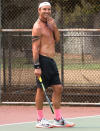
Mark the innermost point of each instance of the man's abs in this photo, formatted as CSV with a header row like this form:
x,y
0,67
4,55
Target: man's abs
x,y
47,49
48,54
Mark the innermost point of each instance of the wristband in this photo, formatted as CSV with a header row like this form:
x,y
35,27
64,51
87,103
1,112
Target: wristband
x,y
36,66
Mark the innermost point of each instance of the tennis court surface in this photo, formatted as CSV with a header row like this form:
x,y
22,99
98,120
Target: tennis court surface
x,y
18,118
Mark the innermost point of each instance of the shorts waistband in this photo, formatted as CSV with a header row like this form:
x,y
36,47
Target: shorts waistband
x,y
46,57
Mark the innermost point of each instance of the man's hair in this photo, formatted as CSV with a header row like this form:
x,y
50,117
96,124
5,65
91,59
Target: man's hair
x,y
40,1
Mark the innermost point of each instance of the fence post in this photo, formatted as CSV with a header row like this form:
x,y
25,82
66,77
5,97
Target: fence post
x,y
62,49
9,61
0,52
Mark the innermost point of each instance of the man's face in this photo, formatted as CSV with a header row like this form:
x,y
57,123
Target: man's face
x,y
45,12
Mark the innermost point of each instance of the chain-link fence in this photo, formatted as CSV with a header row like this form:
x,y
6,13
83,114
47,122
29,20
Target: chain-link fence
x,y
77,54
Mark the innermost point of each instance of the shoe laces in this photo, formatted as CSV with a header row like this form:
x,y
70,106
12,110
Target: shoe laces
x,y
66,122
63,121
44,122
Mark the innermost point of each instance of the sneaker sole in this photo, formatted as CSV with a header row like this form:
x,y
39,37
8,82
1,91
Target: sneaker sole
x,y
44,126
70,125
64,126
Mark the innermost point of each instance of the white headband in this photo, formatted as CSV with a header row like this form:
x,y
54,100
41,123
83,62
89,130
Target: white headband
x,y
44,4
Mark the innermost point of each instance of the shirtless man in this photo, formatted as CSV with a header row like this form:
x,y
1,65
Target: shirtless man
x,y
45,35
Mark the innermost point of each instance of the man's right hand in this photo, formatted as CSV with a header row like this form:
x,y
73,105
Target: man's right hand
x,y
38,72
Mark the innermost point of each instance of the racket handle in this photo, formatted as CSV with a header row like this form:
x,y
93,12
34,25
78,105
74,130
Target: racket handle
x,y
40,79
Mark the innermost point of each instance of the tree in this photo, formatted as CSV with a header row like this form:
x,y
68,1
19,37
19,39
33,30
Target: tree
x,y
76,11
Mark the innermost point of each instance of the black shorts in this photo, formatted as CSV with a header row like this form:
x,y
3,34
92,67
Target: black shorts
x,y
50,74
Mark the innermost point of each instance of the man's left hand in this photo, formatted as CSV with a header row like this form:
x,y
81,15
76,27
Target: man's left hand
x,y
51,23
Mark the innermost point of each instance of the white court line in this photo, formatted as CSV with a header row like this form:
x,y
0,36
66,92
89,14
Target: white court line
x,y
21,123
83,117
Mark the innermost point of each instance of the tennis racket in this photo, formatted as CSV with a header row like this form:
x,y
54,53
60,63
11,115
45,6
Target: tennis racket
x,y
40,79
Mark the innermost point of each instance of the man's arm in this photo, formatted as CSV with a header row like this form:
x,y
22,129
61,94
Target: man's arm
x,y
56,34
35,49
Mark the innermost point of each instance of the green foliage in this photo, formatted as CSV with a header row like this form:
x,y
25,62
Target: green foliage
x,y
93,2
68,5
77,12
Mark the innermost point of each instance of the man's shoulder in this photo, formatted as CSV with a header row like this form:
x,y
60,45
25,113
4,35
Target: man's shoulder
x,y
36,25
36,28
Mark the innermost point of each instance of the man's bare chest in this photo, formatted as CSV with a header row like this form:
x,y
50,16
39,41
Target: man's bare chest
x,y
47,32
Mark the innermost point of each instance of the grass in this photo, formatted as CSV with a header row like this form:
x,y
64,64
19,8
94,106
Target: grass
x,y
82,66
66,66
71,62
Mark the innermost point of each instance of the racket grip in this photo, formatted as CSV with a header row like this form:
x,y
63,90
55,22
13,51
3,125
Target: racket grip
x,y
40,79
